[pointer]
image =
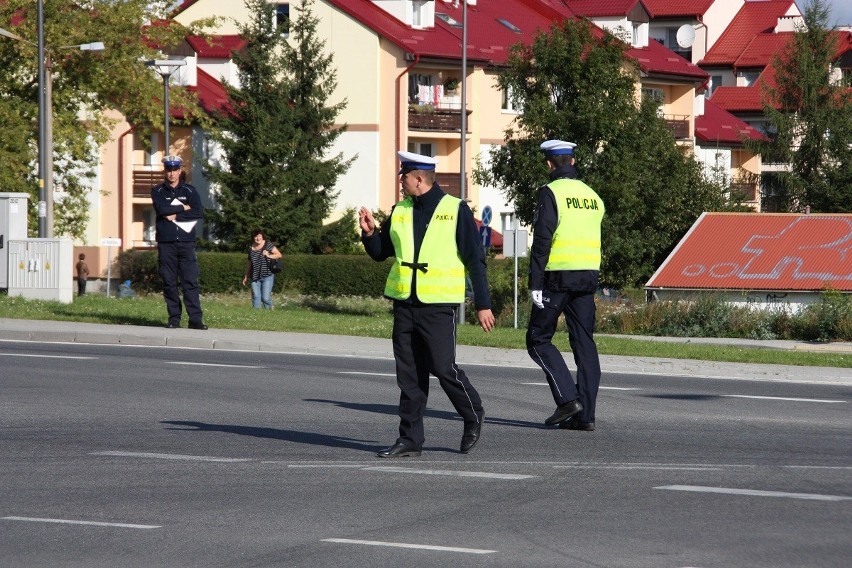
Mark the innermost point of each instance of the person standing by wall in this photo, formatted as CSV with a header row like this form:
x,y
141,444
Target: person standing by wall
x,y
82,274
565,259
262,279
178,207
434,239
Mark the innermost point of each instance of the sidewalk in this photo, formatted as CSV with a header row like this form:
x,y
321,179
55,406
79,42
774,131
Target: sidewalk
x,y
369,347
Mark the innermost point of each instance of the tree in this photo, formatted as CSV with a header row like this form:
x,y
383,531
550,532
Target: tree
x,y
810,123
85,86
276,135
577,86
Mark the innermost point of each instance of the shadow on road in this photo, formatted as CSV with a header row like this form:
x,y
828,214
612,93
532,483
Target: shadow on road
x,y
278,434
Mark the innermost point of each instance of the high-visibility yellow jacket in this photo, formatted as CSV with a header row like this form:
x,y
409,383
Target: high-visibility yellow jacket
x,y
577,239
440,277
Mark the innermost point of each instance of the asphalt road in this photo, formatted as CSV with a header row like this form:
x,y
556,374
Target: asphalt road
x,y
140,456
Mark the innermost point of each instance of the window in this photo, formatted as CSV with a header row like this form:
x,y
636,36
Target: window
x,y
508,105
657,95
282,18
418,16
415,81
151,151
509,25
715,83
422,148
747,78
450,21
636,39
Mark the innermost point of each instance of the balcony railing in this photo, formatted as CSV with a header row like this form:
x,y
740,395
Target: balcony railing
x,y
144,180
744,191
679,126
428,117
450,183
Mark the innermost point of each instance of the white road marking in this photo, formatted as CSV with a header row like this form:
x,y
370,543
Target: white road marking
x,y
369,374
407,545
483,474
46,356
170,456
820,466
318,465
601,388
664,467
70,522
755,492
779,398
214,365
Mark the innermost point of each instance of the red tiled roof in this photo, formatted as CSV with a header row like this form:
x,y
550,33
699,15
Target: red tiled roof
x,y
677,8
761,251
218,47
211,93
719,126
762,48
595,8
754,17
658,59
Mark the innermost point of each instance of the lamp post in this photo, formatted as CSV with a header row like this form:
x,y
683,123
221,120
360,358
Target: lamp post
x,y
45,120
165,67
463,140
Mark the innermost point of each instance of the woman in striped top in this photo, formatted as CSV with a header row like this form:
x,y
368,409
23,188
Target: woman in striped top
x,y
260,253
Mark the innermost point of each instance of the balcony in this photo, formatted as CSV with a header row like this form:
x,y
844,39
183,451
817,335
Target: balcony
x,y
679,125
745,192
435,119
450,183
144,180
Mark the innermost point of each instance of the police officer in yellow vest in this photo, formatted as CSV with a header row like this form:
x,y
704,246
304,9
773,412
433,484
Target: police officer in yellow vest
x,y
433,239
564,264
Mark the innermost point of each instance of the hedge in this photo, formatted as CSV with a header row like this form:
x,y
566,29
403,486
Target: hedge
x,y
318,275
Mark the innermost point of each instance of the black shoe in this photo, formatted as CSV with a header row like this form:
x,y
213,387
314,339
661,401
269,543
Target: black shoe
x,y
471,435
399,450
564,411
574,423
197,325
173,324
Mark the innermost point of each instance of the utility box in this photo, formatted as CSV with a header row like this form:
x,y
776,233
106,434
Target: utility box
x,y
13,226
42,269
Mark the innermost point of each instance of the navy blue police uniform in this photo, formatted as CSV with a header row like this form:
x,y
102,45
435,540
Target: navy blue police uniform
x,y
424,334
568,292
177,260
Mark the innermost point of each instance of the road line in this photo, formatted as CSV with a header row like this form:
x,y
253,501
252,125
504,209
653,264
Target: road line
x,y
368,374
69,522
482,474
755,492
214,365
779,398
322,466
819,466
407,545
601,388
663,467
46,356
170,456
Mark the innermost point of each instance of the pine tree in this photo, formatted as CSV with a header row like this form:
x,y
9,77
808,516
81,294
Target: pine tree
x,y
810,124
277,176
578,87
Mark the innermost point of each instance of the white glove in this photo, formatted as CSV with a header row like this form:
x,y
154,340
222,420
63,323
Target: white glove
x,y
536,298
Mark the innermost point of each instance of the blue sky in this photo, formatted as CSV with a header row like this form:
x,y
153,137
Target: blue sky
x,y
841,11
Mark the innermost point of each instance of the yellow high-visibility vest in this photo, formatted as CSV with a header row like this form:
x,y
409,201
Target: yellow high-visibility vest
x,y
442,282
577,240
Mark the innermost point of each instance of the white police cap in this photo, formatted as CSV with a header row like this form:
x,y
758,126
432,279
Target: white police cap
x,y
558,147
410,161
172,162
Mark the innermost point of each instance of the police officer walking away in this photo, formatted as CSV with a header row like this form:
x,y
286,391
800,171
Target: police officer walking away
x,y
433,238
178,207
564,263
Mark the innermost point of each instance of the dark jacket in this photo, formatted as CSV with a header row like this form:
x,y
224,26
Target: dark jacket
x,y
544,226
162,196
379,245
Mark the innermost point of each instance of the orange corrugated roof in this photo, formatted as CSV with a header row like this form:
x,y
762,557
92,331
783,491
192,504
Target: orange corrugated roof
x,y
761,251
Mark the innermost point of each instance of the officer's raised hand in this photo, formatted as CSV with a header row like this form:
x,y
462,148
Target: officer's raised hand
x,y
365,219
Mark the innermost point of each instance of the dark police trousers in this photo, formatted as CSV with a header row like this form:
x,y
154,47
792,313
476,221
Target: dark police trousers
x,y
177,260
579,310
424,341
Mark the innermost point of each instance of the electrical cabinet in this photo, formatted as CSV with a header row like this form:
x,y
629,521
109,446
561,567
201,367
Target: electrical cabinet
x,y
13,225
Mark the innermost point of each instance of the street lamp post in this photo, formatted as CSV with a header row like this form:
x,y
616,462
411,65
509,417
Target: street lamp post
x,y
165,67
45,121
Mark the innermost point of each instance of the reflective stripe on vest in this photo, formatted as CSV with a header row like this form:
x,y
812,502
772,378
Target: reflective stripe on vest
x,y
442,282
577,240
